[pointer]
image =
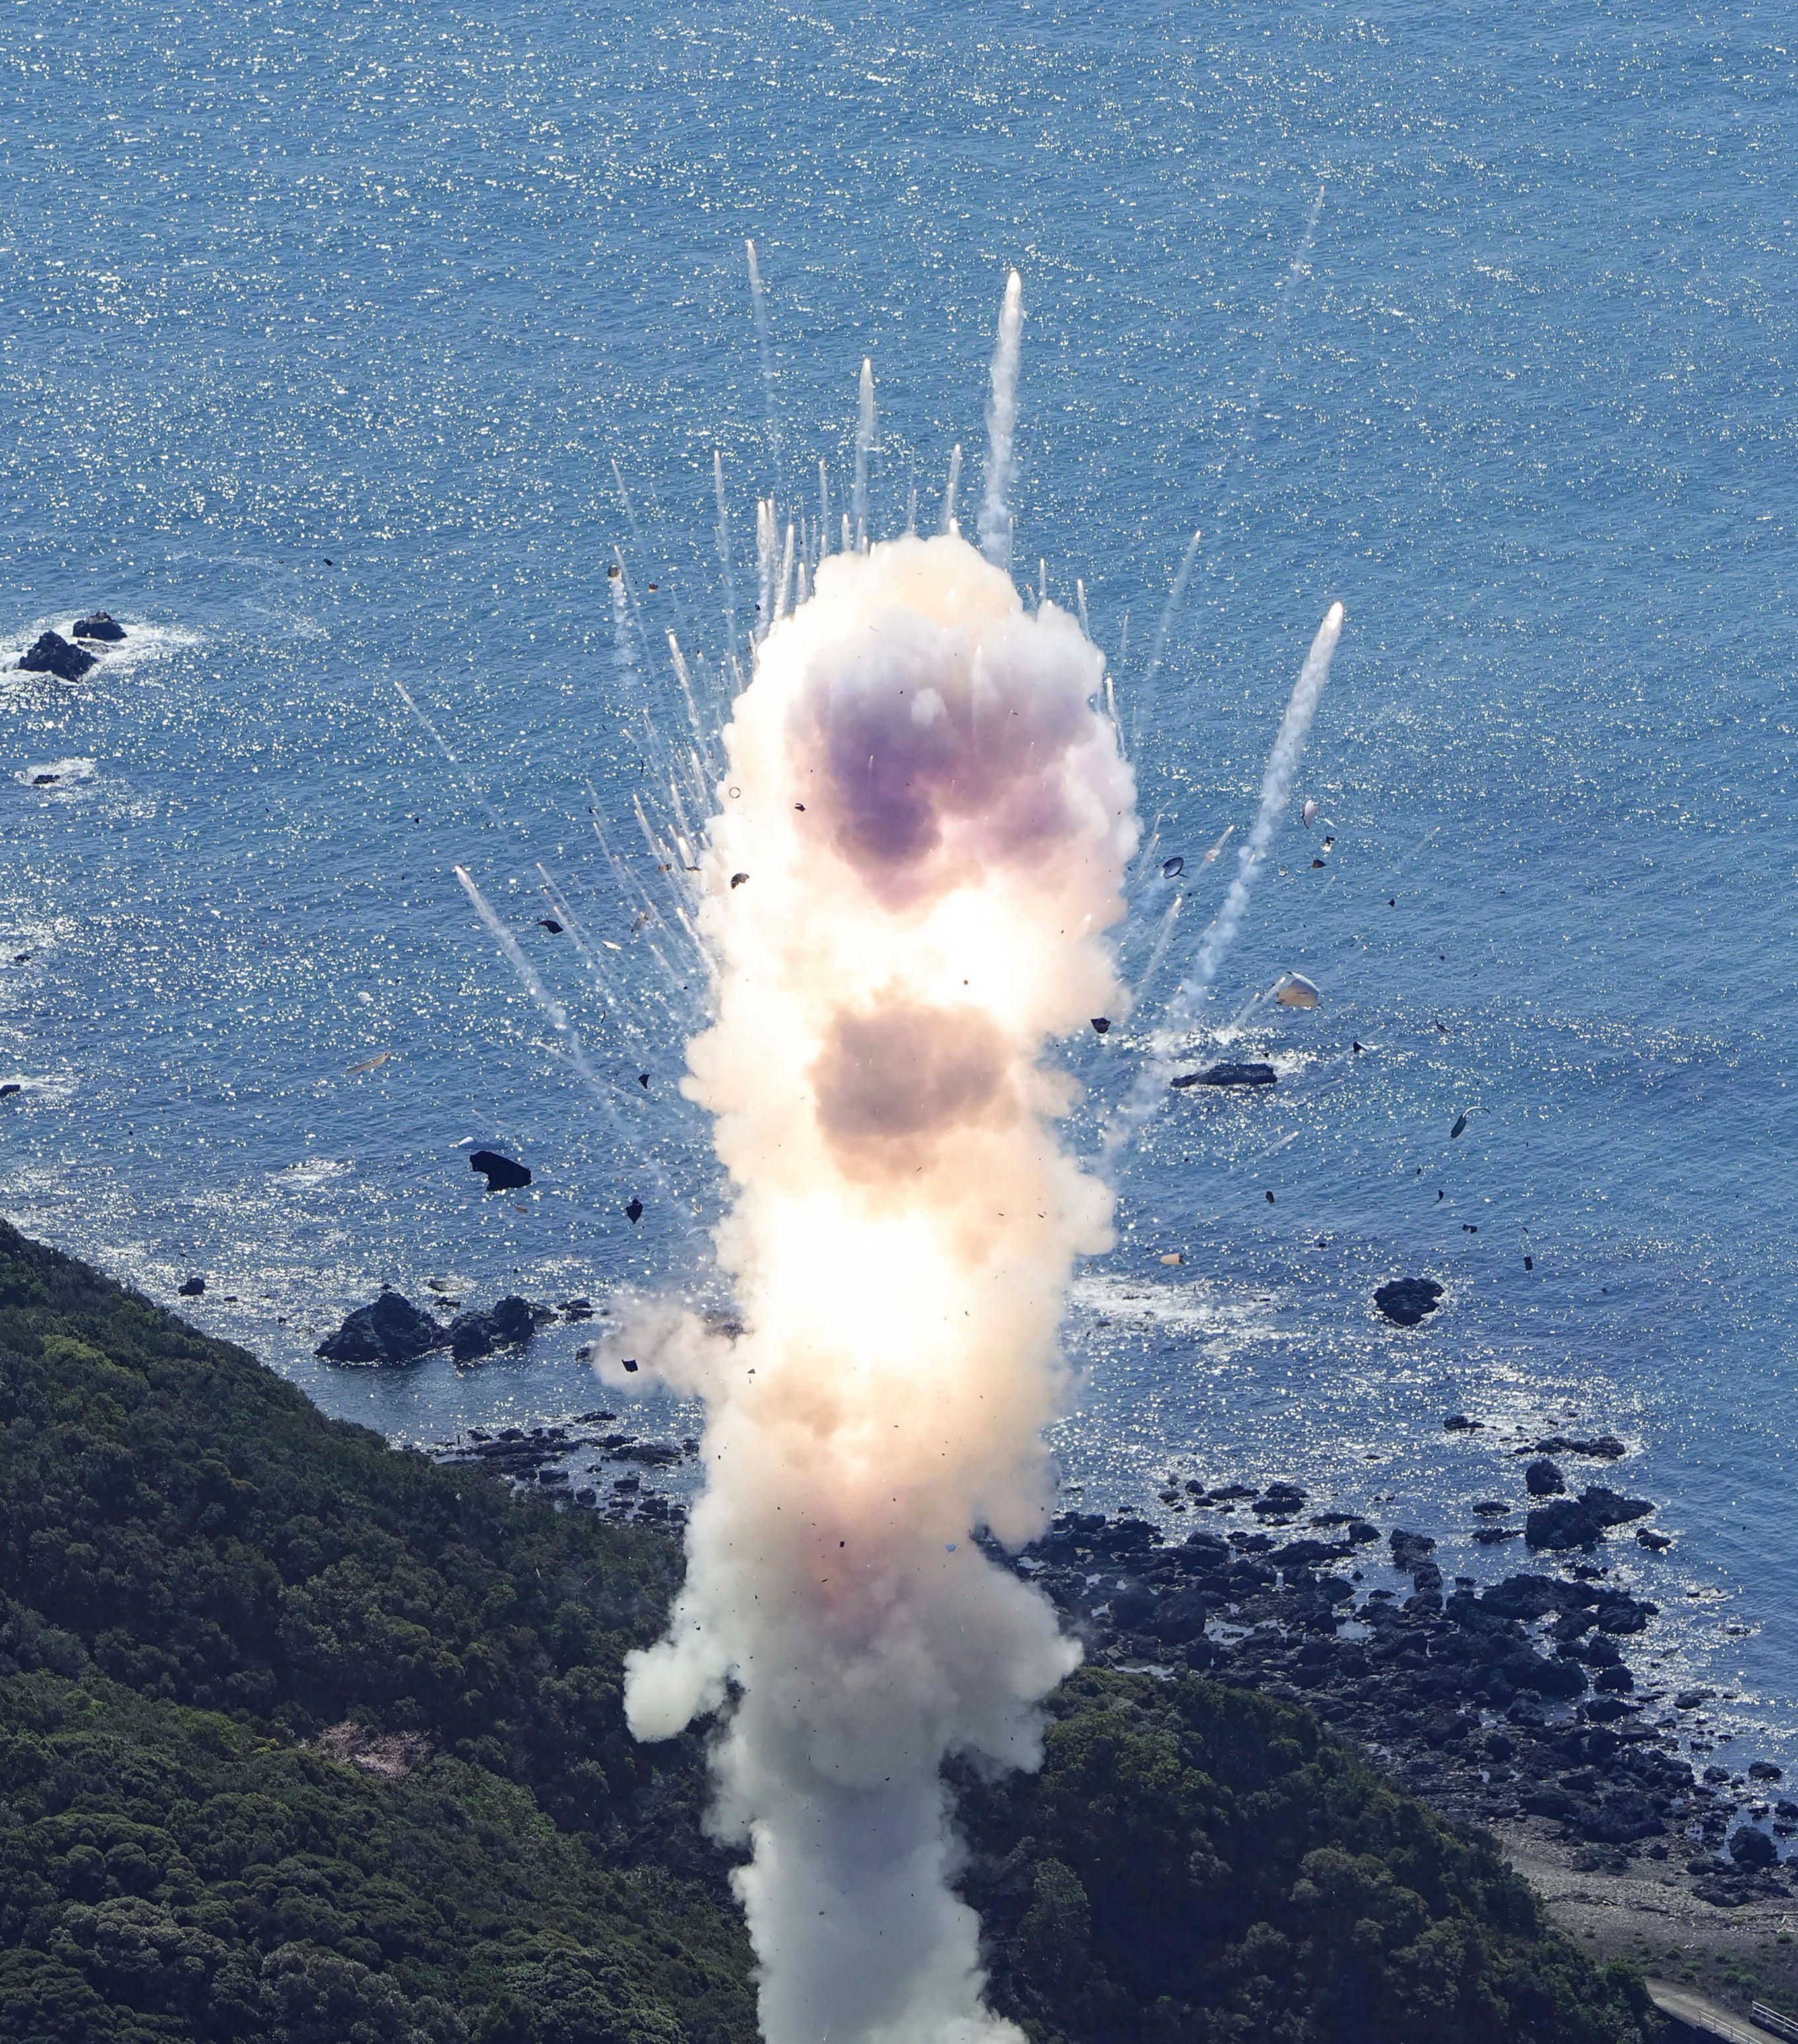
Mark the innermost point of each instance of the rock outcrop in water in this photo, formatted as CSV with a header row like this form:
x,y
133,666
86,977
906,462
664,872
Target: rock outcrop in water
x,y
1407,1301
50,653
390,1329
508,1322
99,624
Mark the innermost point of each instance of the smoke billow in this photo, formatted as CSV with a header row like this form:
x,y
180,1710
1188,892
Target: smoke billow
x,y
934,821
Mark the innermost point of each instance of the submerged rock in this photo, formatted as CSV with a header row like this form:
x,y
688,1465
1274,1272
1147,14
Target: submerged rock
x,y
391,1329
51,654
1229,1075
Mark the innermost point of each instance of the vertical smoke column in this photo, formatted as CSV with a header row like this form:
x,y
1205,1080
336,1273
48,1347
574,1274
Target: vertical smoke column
x,y
934,822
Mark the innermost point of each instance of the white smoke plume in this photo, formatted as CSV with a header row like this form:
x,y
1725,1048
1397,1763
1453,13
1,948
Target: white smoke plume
x,y
923,835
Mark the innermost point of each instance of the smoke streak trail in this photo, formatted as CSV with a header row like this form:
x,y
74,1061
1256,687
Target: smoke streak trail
x,y
533,986
950,488
1276,786
724,557
934,822
864,447
758,300
1001,431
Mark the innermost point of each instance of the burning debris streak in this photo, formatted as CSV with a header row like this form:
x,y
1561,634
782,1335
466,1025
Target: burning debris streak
x,y
936,820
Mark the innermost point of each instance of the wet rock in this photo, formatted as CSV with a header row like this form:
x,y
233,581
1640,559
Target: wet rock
x,y
193,1288
1655,1543
100,625
1458,1422
473,1335
1407,1301
1748,1847
1605,1447
1543,1479
51,654
1278,1500
391,1330
656,1454
1578,1522
503,1174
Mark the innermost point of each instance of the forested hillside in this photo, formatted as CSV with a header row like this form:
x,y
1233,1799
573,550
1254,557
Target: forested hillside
x,y
306,1740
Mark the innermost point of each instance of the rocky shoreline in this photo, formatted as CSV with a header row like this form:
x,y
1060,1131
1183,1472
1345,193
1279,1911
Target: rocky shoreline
x,y
1515,1705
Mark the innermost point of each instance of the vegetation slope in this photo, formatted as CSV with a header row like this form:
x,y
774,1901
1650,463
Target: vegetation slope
x,y
201,1575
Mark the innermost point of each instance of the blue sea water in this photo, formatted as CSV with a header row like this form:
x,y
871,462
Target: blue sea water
x,y
321,328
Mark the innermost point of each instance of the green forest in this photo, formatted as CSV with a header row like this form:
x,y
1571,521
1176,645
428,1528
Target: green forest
x,y
208,1590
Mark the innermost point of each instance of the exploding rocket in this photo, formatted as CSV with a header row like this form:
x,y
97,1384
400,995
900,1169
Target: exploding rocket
x,y
928,822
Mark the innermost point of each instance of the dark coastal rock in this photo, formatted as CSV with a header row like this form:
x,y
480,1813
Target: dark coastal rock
x,y
1603,1447
1406,1300
51,654
1279,1501
193,1288
1543,1479
1578,1522
509,1322
473,1335
1748,1847
100,624
503,1174
391,1329
1228,1075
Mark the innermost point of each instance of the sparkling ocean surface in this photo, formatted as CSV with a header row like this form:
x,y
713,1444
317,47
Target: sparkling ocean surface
x,y
322,328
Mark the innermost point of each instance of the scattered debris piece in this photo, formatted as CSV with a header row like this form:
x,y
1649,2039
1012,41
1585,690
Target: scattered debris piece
x,y
1171,869
503,1174
1101,1024
1460,1128
11,1087
643,1081
368,1064
1296,991
737,879
1406,1300
1174,1256
1309,812
550,923
1529,1263
630,1364
633,1213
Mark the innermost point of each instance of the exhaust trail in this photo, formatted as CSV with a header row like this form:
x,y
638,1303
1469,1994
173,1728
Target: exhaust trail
x,y
950,489
1001,431
928,834
1150,1086
864,447
758,300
